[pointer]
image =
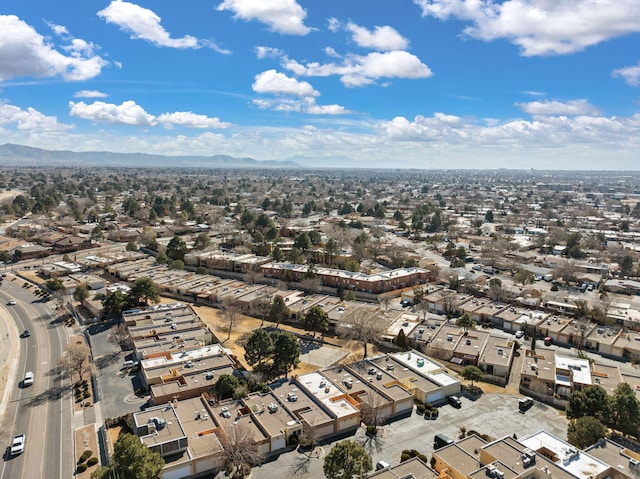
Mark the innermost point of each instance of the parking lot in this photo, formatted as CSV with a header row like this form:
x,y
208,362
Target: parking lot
x,y
496,415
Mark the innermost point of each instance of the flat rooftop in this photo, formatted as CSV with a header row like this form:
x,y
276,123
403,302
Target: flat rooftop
x,y
329,394
304,408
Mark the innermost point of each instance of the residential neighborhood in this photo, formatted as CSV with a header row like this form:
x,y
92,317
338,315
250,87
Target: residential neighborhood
x,y
222,329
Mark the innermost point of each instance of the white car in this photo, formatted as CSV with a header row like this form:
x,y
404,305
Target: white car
x,y
519,334
28,379
12,302
17,445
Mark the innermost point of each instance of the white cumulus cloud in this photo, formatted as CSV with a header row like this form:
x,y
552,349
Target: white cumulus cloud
x,y
541,27
380,38
132,114
553,107
191,120
90,94
26,53
282,16
277,83
357,70
145,24
29,119
631,75
127,113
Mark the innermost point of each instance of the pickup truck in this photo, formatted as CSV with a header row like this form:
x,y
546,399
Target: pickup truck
x,y
17,445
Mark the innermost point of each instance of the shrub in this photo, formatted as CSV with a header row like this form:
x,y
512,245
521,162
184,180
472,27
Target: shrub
x,y
293,440
86,394
81,468
420,408
92,461
372,430
85,455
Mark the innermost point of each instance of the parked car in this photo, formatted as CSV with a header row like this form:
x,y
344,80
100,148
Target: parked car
x,y
455,401
525,403
519,334
17,445
548,341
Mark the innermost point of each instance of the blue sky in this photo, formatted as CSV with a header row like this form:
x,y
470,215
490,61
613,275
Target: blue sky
x,y
542,84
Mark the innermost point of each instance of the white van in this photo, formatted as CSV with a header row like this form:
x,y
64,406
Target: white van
x,y
381,465
525,403
28,379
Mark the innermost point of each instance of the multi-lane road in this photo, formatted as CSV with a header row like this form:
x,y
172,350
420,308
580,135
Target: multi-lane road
x,y
43,411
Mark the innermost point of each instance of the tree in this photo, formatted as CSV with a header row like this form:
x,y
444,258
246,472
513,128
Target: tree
x,y
226,385
590,401
364,326
258,347
316,320
466,322
286,352
231,315
472,373
202,241
119,335
177,248
114,303
626,265
54,284
524,276
81,293
625,410
585,431
401,340
133,460
240,450
76,358
279,311
132,246
142,292
346,460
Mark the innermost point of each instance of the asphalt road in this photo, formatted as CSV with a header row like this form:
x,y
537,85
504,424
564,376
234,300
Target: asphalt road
x,y
42,411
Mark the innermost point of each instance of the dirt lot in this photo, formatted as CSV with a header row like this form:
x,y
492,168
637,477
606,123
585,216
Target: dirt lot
x,y
248,324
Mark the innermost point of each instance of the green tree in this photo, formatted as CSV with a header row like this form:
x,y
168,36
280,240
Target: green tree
x,y
316,320
142,292
346,460
585,431
202,241
177,248
488,217
625,412
114,303
626,265
279,311
81,293
258,347
524,276
286,352
54,284
132,246
465,322
401,340
472,373
590,401
226,385
302,241
133,460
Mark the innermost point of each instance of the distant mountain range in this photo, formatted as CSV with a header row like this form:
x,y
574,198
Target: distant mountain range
x,y
19,155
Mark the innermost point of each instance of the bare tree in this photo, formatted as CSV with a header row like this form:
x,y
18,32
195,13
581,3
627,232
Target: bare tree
x,y
241,451
231,315
260,308
76,358
119,335
363,325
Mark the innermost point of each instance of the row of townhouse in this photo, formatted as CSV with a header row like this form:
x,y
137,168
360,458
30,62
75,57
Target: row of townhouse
x,y
190,430
548,376
538,456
